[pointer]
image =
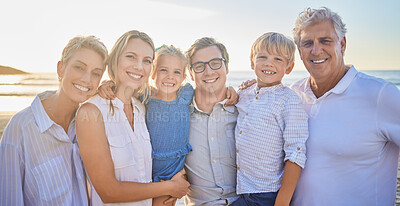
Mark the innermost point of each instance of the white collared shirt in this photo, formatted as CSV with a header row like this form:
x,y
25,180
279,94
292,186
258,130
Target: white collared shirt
x,y
353,148
40,163
271,129
130,150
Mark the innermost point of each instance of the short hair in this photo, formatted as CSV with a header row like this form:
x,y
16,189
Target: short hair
x,y
88,42
274,43
170,51
203,43
119,46
315,16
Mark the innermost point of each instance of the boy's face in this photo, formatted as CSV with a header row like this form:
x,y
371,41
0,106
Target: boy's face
x,y
270,68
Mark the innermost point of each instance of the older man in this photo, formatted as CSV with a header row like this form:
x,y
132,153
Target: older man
x,y
211,166
354,121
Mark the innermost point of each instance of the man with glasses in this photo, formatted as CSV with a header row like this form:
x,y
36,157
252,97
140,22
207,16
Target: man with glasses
x,y
211,166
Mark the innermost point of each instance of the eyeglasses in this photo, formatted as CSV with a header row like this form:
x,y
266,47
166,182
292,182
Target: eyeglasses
x,y
214,64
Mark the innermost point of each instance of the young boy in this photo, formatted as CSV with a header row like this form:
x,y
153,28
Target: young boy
x,y
271,128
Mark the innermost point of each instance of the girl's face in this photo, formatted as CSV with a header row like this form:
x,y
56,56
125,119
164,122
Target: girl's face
x,y
169,75
134,64
81,75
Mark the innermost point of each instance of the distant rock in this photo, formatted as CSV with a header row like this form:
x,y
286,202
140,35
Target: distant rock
x,y
5,70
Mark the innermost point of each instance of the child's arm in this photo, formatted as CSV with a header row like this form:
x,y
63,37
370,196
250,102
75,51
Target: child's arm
x,y
105,89
232,96
290,177
247,84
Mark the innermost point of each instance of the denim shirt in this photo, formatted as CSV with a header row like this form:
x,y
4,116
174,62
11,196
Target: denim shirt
x,y
211,166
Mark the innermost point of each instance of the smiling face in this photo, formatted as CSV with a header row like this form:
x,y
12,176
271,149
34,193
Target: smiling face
x,y
270,68
210,81
322,51
169,75
134,65
81,75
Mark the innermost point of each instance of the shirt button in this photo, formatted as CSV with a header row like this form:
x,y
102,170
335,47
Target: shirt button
x,y
212,138
237,151
214,161
238,168
247,113
240,132
298,148
256,97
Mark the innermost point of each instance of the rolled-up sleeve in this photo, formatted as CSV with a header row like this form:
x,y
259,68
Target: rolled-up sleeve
x,y
295,133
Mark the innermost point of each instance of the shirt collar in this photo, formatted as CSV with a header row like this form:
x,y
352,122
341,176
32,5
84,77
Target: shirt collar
x,y
340,87
136,104
264,90
194,107
42,119
346,80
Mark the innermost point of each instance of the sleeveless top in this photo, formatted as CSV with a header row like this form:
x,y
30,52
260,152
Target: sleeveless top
x,y
169,123
130,150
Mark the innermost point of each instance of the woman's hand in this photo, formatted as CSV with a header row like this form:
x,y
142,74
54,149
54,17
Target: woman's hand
x,y
247,84
180,186
105,90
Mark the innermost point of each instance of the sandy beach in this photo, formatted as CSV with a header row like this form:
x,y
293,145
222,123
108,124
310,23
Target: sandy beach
x,y
5,118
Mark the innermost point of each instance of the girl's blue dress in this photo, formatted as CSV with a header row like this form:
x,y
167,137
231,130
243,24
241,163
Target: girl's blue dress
x,y
168,123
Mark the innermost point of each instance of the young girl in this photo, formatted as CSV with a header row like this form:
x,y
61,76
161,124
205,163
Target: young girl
x,y
168,114
113,137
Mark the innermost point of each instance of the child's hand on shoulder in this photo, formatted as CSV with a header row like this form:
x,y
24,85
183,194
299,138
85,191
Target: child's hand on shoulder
x,y
232,96
105,90
247,84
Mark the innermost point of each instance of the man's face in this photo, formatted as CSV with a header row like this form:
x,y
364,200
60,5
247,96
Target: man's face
x,y
321,50
210,81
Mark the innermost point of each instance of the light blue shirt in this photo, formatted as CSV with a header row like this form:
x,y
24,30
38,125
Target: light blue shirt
x,y
40,163
271,128
211,167
353,147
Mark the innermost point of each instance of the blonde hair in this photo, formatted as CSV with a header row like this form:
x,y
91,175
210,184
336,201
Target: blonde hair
x,y
274,43
315,16
120,45
170,51
203,43
88,42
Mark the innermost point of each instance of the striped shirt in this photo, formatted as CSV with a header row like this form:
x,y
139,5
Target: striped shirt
x,y
271,129
40,163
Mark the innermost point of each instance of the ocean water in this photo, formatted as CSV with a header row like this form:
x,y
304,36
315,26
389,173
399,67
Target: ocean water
x,y
18,91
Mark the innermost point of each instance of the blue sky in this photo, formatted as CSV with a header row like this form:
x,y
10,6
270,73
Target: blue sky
x,y
33,33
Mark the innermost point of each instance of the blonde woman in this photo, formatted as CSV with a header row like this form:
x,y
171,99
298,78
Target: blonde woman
x,y
113,137
39,155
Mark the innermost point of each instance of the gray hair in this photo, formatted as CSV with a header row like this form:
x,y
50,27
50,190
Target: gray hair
x,y
315,16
